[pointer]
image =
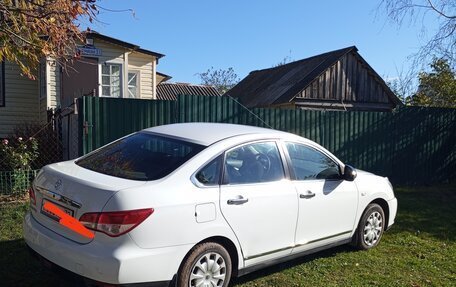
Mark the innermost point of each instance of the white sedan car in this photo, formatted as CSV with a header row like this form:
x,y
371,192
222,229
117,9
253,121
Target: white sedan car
x,y
195,204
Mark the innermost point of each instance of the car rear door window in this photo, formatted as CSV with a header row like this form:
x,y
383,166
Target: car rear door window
x,y
210,174
308,163
253,163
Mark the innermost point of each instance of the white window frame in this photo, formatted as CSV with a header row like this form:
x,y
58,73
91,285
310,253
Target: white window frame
x,y
100,78
138,84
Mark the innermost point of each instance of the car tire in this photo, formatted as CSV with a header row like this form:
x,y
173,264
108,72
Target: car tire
x,y
208,262
370,228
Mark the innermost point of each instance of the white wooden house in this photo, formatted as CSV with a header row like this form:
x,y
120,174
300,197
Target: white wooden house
x,y
108,67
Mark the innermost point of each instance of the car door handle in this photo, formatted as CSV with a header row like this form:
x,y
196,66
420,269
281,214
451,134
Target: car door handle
x,y
307,195
237,201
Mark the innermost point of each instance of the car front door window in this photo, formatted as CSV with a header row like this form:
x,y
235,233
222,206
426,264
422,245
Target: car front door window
x,y
309,163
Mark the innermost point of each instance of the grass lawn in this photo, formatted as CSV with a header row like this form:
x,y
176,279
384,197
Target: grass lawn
x,y
420,250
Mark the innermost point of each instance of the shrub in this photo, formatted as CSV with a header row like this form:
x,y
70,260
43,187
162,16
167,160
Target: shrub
x,y
17,155
50,147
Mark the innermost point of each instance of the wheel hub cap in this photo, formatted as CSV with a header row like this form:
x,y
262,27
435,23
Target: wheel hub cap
x,y
373,228
208,271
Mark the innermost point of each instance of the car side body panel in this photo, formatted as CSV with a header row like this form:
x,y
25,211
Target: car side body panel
x,y
372,187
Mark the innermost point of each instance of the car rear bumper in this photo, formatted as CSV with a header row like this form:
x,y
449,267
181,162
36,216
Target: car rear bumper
x,y
123,264
78,280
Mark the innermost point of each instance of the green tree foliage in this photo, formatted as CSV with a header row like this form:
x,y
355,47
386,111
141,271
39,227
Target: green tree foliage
x,y
437,88
31,29
222,80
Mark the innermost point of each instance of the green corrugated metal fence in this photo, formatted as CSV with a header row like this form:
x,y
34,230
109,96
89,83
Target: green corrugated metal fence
x,y
411,145
102,120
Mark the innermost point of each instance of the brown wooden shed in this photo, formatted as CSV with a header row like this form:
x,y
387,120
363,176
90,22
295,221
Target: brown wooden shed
x,y
337,80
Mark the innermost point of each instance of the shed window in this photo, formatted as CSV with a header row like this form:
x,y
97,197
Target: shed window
x,y
111,79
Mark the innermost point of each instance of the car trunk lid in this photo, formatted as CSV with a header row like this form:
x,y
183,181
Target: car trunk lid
x,y
75,191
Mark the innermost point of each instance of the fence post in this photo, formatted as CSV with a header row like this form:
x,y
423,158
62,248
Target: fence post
x,y
81,115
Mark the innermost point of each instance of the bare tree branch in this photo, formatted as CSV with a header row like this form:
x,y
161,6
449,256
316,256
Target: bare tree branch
x,y
440,11
222,80
440,43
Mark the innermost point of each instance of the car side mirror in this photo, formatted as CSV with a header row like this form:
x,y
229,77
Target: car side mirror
x,y
349,173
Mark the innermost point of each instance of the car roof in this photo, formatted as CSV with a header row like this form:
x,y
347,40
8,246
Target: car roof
x,y
209,133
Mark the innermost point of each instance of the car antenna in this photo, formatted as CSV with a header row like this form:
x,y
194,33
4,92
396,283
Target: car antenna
x,y
250,111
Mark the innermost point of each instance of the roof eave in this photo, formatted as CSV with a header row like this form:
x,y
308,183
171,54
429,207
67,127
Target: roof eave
x,y
127,45
167,77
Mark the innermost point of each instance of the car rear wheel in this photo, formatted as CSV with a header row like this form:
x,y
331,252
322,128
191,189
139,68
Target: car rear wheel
x,y
370,228
207,265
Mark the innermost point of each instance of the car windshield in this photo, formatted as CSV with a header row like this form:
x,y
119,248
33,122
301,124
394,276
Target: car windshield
x,y
141,156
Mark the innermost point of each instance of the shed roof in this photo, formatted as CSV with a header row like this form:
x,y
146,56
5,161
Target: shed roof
x,y
281,84
170,91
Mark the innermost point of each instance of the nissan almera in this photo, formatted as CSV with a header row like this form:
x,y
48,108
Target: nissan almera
x,y
195,204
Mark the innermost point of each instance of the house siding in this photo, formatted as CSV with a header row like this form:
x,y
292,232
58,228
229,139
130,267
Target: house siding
x,y
22,103
53,82
109,52
136,61
143,64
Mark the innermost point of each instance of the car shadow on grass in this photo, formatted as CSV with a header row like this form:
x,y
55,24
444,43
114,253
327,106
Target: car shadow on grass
x,y
21,268
430,211
292,263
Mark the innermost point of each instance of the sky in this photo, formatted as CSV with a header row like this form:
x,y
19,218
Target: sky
x,y
252,34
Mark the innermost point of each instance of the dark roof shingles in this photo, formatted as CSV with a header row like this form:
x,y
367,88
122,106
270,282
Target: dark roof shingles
x,y
170,91
281,84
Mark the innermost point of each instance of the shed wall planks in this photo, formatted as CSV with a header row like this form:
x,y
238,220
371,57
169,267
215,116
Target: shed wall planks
x,y
348,80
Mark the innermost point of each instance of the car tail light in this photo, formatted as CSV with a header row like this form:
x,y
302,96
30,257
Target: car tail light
x,y
115,223
32,197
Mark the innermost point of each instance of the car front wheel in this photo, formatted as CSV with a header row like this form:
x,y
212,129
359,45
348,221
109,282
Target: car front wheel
x,y
207,265
370,227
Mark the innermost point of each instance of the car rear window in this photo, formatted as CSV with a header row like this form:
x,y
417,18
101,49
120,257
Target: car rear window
x,y
141,156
